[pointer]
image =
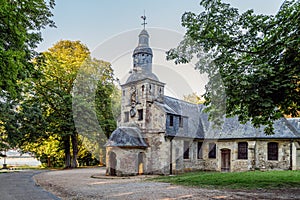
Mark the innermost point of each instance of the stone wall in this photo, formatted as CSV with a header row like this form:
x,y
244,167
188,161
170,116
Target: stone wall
x,y
158,154
257,156
296,155
126,161
262,161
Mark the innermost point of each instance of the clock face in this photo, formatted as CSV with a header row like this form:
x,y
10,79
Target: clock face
x,y
132,112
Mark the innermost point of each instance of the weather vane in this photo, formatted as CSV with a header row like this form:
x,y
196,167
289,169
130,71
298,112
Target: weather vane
x,y
144,18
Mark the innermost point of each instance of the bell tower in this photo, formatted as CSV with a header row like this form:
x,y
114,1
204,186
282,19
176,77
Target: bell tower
x,y
142,87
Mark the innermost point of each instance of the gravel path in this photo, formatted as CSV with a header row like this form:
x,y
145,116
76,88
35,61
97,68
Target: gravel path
x,y
91,183
20,186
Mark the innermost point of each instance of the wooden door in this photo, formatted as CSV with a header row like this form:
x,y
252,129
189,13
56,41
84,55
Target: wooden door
x,y
225,160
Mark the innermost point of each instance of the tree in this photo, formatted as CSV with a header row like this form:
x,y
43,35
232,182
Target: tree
x,y
60,103
20,26
59,66
252,60
94,104
20,32
193,98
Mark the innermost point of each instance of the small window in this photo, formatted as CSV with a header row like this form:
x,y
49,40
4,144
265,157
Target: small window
x,y
242,150
143,89
180,121
199,150
212,150
126,119
272,151
123,92
140,112
186,150
171,120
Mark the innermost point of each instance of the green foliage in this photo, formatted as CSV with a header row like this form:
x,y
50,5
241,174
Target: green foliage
x,y
88,154
21,23
237,180
60,102
48,151
193,98
252,60
20,32
95,104
93,93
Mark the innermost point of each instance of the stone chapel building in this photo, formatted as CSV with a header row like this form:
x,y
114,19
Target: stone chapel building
x,y
158,134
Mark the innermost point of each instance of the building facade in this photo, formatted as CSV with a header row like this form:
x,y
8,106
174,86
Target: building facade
x,y
158,134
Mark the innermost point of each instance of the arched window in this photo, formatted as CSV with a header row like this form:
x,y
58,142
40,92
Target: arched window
x,y
242,150
272,151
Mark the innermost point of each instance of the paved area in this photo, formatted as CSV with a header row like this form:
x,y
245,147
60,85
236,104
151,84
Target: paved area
x,y
92,184
21,186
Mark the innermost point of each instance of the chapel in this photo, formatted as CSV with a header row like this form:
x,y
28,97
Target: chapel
x,y
158,134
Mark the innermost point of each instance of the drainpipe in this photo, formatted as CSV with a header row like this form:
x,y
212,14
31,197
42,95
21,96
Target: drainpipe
x,y
254,160
291,155
171,154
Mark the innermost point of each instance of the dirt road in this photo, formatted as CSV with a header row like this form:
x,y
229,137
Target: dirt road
x,y
91,183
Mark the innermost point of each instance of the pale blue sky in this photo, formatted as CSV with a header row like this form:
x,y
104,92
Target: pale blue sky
x,y
110,29
94,21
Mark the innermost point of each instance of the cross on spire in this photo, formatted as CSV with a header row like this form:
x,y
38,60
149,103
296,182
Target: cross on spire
x,y
144,19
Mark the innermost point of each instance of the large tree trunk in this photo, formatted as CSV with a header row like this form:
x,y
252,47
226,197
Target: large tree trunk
x,y
66,142
74,138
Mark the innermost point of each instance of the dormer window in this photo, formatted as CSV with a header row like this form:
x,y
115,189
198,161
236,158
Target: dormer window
x,y
180,121
171,120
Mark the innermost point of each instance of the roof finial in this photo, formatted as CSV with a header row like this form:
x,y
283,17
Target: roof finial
x,y
144,19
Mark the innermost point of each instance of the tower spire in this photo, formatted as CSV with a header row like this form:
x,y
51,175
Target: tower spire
x,y
144,19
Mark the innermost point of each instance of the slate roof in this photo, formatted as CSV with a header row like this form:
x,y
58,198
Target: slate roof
x,y
232,129
126,137
199,127
141,75
194,127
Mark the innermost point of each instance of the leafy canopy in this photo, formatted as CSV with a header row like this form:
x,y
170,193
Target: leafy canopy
x,y
252,60
20,25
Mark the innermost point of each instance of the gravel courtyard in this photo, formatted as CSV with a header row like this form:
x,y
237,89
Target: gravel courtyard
x,y
91,183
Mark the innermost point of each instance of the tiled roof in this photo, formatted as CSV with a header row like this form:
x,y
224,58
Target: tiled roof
x,y
126,137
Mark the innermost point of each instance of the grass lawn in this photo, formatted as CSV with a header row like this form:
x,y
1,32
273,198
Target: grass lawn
x,y
237,180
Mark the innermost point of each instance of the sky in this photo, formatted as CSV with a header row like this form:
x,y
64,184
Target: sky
x,y
94,21
110,30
